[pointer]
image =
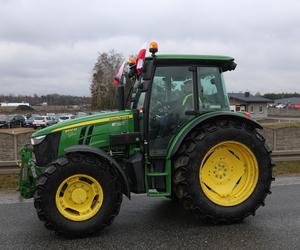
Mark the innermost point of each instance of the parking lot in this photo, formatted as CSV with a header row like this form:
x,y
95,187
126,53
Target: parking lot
x,y
37,120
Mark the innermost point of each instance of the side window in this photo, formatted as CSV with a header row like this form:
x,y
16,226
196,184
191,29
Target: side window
x,y
212,93
171,97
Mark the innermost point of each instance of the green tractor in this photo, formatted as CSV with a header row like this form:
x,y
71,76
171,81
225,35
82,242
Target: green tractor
x,y
178,140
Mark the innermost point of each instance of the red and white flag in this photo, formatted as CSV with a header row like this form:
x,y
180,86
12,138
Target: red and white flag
x,y
119,74
141,58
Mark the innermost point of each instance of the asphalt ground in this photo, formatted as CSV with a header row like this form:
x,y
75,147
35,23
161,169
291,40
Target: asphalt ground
x,y
158,223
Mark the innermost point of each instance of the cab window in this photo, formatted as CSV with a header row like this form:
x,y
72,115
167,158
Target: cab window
x,y
171,97
212,93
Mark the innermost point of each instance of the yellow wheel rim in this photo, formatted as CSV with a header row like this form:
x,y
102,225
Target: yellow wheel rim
x,y
228,173
79,197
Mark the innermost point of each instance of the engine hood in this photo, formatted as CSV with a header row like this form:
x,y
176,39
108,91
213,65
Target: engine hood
x,y
87,120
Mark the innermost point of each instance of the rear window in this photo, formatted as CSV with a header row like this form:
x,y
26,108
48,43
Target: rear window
x,y
38,118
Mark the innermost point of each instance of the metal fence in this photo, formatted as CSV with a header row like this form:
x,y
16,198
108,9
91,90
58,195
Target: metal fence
x,y
11,167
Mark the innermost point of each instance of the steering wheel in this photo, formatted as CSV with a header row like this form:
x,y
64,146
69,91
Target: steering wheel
x,y
161,109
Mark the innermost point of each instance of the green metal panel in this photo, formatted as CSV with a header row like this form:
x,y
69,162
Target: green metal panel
x,y
108,124
84,121
68,138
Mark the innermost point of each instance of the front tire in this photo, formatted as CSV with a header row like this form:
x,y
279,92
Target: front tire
x,y
223,171
78,196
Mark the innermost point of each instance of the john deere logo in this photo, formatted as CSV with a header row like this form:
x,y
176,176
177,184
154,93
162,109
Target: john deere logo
x,y
71,131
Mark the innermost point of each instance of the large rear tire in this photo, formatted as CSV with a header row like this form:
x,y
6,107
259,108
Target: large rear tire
x,y
78,196
223,171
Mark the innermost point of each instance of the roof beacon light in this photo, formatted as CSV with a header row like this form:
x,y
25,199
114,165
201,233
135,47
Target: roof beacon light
x,y
153,48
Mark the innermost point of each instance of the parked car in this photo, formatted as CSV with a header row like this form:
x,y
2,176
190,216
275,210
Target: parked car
x,y
39,122
281,106
64,118
53,116
16,121
49,120
29,121
4,121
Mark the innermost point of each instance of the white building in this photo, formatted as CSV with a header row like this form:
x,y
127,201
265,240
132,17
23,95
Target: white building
x,y
256,105
13,104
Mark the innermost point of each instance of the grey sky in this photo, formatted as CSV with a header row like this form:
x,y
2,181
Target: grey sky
x,y
51,46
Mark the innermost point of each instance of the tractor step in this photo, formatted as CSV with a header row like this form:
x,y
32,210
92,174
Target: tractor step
x,y
158,194
158,182
151,193
157,174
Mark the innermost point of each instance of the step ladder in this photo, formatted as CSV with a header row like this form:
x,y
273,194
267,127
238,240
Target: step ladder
x,y
149,173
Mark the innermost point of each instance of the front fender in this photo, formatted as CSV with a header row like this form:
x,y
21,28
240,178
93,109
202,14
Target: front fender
x,y
178,139
102,154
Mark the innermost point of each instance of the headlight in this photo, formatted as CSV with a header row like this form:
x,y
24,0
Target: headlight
x,y
37,140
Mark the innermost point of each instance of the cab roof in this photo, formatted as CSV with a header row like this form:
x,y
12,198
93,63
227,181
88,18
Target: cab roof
x,y
193,57
225,62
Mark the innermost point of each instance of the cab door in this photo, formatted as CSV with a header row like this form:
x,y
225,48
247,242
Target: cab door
x,y
171,95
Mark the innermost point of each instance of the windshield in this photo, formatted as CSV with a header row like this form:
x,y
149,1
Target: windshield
x,y
39,118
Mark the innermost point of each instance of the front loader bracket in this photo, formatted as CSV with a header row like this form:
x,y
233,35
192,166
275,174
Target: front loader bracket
x,y
29,173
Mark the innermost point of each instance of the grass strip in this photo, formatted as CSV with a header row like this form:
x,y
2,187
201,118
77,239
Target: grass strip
x,y
287,167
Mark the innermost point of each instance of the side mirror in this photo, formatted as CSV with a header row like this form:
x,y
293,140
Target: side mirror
x,y
229,66
147,70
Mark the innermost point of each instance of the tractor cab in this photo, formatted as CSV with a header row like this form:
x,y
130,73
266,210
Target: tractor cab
x,y
171,92
173,89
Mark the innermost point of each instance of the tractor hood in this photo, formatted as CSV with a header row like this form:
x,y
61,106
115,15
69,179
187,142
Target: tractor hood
x,y
87,120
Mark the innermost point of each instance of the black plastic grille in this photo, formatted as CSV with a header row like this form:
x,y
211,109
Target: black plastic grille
x,y
89,135
47,151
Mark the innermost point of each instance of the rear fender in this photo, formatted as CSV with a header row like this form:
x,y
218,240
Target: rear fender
x,y
178,139
102,154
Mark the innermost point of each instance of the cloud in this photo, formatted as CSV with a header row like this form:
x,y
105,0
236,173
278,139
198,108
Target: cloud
x,y
51,46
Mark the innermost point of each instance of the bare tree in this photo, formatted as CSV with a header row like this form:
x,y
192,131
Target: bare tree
x,y
102,89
